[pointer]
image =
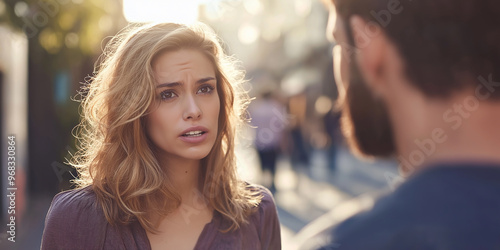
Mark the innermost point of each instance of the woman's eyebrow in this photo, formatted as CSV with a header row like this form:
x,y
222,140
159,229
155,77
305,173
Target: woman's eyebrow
x,y
169,85
175,84
206,79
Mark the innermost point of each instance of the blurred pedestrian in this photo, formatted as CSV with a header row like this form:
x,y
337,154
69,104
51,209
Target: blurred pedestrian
x,y
269,118
420,81
331,122
299,146
157,169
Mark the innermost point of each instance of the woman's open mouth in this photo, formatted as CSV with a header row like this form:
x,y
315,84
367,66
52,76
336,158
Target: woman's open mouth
x,y
194,133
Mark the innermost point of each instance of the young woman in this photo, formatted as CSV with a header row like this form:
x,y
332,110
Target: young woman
x,y
157,165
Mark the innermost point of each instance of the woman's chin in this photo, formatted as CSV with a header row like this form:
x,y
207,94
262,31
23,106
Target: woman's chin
x,y
195,155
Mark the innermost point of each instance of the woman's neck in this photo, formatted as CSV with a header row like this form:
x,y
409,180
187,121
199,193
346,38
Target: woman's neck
x,y
184,175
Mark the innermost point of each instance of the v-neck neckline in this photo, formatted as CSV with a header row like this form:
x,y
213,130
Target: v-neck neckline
x,y
209,231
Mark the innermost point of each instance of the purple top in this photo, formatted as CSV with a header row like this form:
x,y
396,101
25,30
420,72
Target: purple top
x,y
76,221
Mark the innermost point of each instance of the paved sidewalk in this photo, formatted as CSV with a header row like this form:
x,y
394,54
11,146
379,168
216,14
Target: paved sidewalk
x,y
307,193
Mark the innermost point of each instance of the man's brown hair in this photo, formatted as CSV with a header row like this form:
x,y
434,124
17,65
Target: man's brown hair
x,y
447,45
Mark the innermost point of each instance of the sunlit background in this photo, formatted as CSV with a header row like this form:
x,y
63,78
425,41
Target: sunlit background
x,y
49,47
161,11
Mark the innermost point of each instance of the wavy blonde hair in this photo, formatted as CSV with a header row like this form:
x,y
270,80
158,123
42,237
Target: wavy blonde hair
x,y
115,155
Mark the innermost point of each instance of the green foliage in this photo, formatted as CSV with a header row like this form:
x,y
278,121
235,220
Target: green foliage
x,y
62,33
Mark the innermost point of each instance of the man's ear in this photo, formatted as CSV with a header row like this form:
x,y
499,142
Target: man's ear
x,y
371,46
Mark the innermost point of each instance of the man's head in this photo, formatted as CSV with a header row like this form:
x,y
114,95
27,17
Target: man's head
x,y
388,50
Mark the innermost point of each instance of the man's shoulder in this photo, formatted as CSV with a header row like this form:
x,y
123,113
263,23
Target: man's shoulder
x,y
437,208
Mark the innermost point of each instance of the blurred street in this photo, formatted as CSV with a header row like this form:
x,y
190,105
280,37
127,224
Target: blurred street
x,y
53,53
306,194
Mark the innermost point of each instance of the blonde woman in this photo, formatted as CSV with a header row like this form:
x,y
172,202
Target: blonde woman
x,y
157,167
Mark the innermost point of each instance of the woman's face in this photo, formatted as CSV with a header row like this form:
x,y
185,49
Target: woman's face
x,y
184,123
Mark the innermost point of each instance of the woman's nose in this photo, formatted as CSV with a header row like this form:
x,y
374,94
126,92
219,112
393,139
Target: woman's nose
x,y
191,108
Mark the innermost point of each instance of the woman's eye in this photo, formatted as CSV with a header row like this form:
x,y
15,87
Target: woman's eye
x,y
205,89
166,95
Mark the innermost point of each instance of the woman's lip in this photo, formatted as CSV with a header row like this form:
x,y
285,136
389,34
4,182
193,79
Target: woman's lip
x,y
196,128
194,139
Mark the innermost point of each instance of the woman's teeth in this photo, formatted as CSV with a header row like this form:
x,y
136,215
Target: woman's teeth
x,y
193,133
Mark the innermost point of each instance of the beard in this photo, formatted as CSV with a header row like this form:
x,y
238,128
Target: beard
x,y
365,122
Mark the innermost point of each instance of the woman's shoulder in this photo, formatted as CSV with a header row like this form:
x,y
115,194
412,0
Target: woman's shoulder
x,y
74,200
75,206
74,217
265,220
266,207
267,197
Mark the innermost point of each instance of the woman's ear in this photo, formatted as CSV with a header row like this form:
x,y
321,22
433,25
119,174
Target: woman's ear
x,y
370,44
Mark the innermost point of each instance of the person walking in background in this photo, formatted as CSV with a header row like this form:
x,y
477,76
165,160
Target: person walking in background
x,y
331,121
299,139
268,116
420,81
157,169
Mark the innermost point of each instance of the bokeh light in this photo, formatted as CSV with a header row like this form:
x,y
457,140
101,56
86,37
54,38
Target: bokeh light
x,y
248,33
322,105
20,8
2,7
160,11
253,7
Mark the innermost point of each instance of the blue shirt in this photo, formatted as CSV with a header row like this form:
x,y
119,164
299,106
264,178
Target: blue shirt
x,y
450,206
